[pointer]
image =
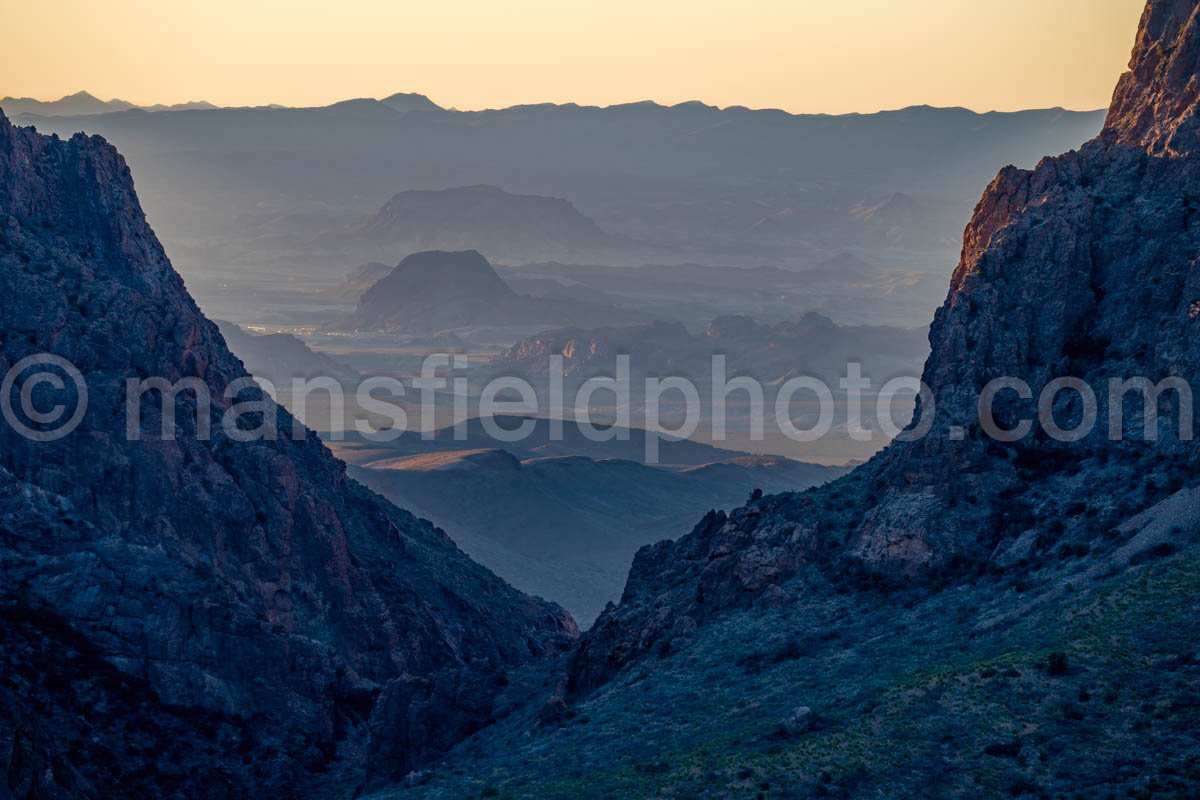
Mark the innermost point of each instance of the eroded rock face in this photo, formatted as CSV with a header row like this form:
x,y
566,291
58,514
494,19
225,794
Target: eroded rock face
x,y
1085,267
1155,105
250,583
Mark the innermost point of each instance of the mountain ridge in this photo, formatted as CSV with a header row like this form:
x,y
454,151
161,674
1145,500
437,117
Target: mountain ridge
x,y
418,101
249,583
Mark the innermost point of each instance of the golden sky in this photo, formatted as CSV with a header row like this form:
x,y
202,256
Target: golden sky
x,y
799,55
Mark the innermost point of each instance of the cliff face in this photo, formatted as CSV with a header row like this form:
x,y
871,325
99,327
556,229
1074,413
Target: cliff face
x,y
1082,267
1155,104
246,599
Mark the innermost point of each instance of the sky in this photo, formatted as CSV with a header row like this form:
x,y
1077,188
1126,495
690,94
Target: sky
x,y
810,56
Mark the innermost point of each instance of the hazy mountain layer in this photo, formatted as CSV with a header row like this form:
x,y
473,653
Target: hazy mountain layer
x,y
485,218
689,183
82,103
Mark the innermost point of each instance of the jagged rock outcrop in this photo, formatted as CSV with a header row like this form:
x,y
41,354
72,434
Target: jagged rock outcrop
x,y
1083,267
1155,106
224,613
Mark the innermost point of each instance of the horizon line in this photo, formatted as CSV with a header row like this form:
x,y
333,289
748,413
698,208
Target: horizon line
x,y
166,106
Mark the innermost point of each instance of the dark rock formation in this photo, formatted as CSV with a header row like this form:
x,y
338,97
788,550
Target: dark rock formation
x,y
1085,267
433,290
1082,267
1155,105
191,616
436,292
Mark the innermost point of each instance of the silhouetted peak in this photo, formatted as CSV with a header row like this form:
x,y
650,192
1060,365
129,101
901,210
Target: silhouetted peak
x,y
410,101
435,275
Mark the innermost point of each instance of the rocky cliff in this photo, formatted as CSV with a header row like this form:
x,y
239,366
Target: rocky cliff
x,y
1155,104
192,616
1082,267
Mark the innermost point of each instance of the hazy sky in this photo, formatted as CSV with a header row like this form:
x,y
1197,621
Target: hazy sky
x,y
800,55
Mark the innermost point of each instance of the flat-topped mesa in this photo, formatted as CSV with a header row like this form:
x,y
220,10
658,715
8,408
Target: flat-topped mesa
x,y
1155,103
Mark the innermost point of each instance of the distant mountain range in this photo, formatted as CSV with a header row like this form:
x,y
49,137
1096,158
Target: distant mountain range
x,y
687,183
402,102
84,104
87,104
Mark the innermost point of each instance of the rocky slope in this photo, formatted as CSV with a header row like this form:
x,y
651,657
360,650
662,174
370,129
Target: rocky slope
x,y
196,616
960,617
1082,267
